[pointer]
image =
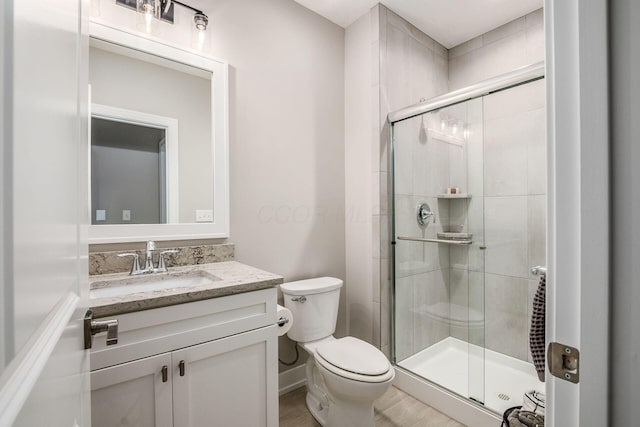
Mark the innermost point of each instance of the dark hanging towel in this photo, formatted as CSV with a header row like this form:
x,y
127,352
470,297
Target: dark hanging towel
x,y
536,334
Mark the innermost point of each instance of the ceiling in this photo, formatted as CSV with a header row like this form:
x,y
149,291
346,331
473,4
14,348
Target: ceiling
x,y
450,22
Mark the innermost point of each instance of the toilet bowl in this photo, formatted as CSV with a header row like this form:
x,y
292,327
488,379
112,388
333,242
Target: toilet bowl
x,y
345,375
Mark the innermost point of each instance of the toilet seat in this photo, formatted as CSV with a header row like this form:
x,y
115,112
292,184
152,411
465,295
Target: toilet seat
x,y
354,359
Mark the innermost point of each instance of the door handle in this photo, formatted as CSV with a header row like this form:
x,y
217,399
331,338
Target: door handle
x,y
165,373
181,368
93,327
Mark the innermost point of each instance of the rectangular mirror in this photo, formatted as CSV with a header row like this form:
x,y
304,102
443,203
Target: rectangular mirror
x,y
158,140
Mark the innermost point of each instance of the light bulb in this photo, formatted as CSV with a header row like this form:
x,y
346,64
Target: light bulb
x,y
148,14
147,10
201,21
148,18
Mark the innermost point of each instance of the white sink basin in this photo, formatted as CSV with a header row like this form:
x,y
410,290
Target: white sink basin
x,y
150,283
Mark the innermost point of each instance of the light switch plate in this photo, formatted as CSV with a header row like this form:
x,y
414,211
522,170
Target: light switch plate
x,y
101,215
204,215
126,215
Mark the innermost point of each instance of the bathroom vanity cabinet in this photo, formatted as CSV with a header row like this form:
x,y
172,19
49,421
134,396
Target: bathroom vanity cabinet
x,y
210,362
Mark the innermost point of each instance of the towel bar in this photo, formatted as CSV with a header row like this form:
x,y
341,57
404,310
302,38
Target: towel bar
x,y
539,270
445,241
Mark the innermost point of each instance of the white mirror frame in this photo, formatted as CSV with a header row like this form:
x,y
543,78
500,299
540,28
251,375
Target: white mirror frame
x,y
118,233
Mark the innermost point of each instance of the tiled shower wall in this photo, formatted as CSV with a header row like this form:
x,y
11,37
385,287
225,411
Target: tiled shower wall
x,y
515,212
411,66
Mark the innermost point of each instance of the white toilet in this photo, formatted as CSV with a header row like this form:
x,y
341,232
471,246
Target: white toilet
x,y
345,375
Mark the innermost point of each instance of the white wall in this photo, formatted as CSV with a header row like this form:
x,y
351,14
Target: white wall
x,y
286,131
360,45
513,45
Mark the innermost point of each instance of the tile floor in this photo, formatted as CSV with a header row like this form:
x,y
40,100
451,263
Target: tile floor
x,y
394,409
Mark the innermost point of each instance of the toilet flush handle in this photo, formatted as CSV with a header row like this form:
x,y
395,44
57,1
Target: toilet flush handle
x,y
301,298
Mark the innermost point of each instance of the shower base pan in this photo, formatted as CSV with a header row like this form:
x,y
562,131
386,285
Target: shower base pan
x,y
448,362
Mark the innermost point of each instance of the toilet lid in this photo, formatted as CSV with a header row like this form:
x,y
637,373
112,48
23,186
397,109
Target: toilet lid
x,y
354,355
311,286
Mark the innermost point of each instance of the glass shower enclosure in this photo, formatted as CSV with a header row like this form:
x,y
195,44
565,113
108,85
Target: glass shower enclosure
x,y
468,224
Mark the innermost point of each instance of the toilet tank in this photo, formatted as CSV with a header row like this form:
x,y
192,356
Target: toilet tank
x,y
314,305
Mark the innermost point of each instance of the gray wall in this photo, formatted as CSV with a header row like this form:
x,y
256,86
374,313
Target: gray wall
x,y
412,66
514,213
514,182
406,66
286,134
510,46
287,139
133,84
125,178
625,294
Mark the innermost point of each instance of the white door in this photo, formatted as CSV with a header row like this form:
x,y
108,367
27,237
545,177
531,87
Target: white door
x,y
578,208
228,382
136,393
43,199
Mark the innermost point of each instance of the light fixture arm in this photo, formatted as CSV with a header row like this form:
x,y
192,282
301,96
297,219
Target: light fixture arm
x,y
166,4
200,20
163,10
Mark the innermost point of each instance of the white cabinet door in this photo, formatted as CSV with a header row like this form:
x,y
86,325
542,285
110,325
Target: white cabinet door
x,y
133,394
230,382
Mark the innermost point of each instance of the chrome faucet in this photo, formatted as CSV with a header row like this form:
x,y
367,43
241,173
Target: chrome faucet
x,y
148,267
148,264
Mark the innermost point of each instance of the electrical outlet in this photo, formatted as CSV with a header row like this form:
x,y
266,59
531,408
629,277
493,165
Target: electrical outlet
x,y
126,215
101,215
204,215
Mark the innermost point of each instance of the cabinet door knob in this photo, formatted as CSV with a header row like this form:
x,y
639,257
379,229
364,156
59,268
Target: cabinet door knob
x,y
181,367
165,373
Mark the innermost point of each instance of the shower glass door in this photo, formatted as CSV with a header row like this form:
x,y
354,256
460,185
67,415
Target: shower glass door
x,y
438,229
469,218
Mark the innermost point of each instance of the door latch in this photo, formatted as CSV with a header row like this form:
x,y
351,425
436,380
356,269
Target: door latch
x,y
564,362
92,327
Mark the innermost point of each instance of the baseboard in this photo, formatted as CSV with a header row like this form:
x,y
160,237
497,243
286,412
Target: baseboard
x,y
292,379
454,406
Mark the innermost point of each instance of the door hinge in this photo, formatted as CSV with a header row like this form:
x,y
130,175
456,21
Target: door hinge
x,y
564,362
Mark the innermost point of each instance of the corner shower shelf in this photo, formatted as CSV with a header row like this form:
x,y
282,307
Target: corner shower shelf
x,y
454,196
445,241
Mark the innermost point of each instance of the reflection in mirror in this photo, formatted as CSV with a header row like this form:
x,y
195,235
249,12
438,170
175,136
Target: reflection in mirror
x,y
151,139
123,154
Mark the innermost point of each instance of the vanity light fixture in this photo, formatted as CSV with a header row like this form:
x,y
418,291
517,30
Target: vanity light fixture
x,y
148,10
201,21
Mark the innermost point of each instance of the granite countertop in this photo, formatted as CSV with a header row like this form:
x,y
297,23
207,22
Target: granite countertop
x,y
228,278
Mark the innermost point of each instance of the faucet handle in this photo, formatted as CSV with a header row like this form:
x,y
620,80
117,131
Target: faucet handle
x,y
148,263
162,267
135,266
